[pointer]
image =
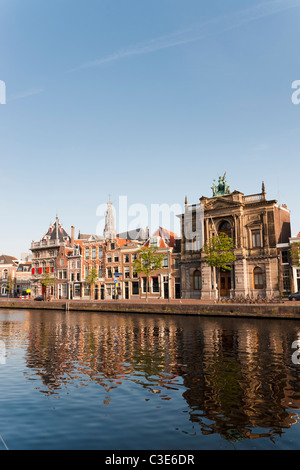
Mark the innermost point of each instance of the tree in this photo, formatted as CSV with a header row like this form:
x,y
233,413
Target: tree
x,y
92,278
295,254
147,261
10,285
219,252
47,280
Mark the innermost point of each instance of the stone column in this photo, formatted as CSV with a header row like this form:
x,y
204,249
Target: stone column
x,y
206,292
241,278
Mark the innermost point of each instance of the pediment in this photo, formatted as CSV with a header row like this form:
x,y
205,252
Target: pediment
x,y
221,203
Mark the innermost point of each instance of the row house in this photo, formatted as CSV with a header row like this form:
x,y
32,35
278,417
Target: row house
x,y
8,268
113,261
289,265
23,280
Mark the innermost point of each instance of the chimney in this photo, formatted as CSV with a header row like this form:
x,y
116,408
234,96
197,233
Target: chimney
x,y
72,235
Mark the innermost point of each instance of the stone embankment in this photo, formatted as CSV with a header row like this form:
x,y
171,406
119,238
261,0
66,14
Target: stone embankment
x,y
283,309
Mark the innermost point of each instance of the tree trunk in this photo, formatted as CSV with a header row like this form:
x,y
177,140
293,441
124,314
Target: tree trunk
x,y
147,284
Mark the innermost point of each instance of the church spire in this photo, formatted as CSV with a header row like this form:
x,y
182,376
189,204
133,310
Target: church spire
x,y
110,228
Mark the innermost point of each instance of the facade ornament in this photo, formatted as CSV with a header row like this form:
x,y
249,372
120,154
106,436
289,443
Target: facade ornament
x,y
221,188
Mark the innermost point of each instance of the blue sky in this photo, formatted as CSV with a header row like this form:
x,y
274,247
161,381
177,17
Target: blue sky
x,y
152,100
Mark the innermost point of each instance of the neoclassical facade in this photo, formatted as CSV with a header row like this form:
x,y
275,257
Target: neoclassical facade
x,y
255,224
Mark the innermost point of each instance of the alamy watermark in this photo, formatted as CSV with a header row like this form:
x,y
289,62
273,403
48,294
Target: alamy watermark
x,y
130,218
296,354
2,352
296,94
2,92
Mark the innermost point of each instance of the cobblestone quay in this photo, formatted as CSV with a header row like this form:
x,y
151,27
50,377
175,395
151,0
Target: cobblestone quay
x,y
285,309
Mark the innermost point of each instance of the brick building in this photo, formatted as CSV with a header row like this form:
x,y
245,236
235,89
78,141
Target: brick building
x,y
8,268
23,280
49,261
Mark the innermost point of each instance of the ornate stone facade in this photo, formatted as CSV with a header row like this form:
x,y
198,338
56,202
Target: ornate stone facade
x,y
255,225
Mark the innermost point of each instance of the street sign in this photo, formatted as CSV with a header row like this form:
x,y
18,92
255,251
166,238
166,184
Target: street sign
x,y
118,274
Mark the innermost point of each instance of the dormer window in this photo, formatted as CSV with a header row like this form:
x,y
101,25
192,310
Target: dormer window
x,y
154,241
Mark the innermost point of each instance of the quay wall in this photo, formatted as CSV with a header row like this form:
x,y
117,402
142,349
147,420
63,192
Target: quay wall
x,y
280,310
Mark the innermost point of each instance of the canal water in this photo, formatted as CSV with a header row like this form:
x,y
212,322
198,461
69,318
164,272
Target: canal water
x,y
82,380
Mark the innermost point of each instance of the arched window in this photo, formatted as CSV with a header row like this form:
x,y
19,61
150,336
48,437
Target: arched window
x,y
4,289
258,279
197,280
225,227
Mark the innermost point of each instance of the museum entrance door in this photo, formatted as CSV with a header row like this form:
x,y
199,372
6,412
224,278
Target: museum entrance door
x,y
225,283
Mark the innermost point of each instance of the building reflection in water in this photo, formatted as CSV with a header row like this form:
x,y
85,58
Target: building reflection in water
x,y
236,375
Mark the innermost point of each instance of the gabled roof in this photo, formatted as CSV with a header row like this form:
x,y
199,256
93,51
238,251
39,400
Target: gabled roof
x,y
167,238
6,259
56,232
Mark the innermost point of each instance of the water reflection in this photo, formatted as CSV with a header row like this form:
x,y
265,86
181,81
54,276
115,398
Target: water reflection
x,y
236,376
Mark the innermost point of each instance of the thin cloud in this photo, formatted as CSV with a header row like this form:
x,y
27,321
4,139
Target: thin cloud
x,y
27,93
212,27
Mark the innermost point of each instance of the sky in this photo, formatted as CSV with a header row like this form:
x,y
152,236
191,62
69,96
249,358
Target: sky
x,y
144,102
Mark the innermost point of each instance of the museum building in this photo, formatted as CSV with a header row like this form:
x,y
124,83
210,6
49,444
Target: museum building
x,y
256,226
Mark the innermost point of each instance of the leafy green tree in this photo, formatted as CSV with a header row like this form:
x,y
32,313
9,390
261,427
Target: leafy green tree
x,y
92,277
47,280
147,261
219,252
295,254
10,285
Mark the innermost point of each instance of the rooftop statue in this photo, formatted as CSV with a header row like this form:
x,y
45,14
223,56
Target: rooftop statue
x,y
222,188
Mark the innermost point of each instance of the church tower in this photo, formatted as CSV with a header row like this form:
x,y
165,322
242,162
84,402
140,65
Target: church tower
x,y
110,228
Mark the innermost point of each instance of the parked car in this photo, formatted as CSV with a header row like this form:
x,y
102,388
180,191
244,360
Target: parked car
x,y
295,296
39,298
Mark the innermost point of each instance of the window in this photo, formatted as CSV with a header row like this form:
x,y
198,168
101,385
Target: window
x,y
87,253
100,252
112,246
176,263
225,228
154,241
93,252
126,258
5,274
77,276
258,278
286,282
166,261
256,238
109,273
108,258
100,271
155,284
284,257
86,271
116,259
145,284
197,280
126,272
78,265
4,289
135,288
77,290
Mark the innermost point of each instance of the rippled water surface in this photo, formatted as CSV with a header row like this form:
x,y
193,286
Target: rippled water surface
x,y
102,381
